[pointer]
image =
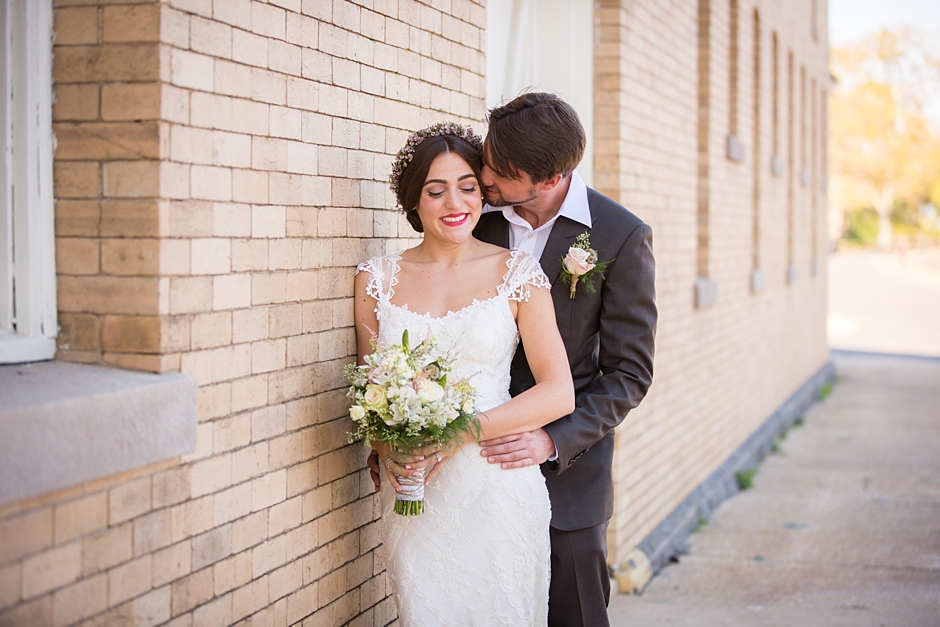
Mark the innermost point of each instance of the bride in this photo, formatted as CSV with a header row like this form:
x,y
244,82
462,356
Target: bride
x,y
479,554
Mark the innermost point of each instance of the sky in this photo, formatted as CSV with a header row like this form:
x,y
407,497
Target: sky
x,y
850,20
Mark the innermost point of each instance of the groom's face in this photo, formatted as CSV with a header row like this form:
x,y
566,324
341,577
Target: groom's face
x,y
504,192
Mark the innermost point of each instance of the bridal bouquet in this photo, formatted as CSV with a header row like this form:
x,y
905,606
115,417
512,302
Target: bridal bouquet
x,y
403,397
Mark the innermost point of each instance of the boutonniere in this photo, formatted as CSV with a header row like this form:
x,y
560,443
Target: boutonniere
x,y
581,264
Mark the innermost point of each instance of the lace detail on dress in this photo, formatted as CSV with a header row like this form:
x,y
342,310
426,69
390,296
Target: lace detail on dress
x,y
383,279
479,555
523,273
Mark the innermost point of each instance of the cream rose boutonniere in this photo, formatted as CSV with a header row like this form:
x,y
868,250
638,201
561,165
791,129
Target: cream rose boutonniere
x,y
581,265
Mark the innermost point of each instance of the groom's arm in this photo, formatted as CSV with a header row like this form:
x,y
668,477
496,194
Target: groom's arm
x,y
627,327
625,358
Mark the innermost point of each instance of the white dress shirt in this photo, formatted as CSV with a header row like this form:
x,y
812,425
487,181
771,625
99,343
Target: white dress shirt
x,y
525,238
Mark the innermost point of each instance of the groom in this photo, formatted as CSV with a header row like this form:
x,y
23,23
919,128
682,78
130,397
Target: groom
x,y
538,203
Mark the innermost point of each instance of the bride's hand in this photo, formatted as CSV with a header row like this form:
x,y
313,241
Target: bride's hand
x,y
442,455
398,464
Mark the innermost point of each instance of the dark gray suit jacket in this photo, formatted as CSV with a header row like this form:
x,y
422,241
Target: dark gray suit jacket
x,y
608,336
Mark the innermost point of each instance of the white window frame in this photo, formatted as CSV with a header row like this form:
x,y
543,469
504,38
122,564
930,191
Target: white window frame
x,y
28,325
544,45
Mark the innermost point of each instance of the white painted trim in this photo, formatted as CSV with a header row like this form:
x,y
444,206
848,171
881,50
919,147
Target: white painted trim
x,y
6,200
27,221
544,45
18,349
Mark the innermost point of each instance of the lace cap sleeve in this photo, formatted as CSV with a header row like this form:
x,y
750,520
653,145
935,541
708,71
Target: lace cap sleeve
x,y
523,274
382,279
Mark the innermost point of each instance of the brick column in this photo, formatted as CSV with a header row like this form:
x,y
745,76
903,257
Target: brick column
x,y
111,141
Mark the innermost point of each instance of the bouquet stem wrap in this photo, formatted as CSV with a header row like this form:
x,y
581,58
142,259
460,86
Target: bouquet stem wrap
x,y
410,501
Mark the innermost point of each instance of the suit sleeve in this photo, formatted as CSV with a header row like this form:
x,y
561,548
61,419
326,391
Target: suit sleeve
x,y
627,328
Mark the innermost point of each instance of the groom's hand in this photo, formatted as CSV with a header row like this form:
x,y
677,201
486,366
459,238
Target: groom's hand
x,y
374,471
518,450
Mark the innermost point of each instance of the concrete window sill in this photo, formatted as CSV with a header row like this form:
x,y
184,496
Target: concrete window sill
x,y
63,423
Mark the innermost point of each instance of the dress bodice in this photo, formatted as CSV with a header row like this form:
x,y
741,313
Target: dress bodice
x,y
482,337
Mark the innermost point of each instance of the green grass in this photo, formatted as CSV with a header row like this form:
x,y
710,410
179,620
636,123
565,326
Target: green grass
x,y
745,478
702,521
825,391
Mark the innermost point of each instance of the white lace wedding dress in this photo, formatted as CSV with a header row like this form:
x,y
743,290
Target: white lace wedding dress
x,y
479,554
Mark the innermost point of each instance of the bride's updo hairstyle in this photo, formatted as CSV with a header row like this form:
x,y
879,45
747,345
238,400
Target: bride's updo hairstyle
x,y
411,166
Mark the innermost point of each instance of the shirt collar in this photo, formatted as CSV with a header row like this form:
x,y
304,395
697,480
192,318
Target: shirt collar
x,y
575,206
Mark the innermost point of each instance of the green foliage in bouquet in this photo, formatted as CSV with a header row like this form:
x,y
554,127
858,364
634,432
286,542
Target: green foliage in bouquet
x,y
405,397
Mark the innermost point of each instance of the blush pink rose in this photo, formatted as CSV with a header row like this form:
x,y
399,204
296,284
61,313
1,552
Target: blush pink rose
x,y
576,261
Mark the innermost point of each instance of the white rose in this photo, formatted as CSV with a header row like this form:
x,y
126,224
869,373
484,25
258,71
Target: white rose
x,y
357,412
429,391
375,396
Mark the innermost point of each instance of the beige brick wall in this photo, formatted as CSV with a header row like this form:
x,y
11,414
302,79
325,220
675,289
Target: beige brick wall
x,y
220,170
723,370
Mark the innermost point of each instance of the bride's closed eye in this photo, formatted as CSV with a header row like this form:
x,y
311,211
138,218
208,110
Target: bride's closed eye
x,y
439,193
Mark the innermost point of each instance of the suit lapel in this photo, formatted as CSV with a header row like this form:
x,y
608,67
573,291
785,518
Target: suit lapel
x,y
562,237
493,228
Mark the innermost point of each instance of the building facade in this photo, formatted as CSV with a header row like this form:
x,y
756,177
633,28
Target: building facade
x,y
215,171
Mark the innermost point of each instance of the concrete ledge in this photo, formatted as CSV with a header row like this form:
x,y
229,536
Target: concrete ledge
x,y
706,292
64,423
758,281
792,275
670,538
735,149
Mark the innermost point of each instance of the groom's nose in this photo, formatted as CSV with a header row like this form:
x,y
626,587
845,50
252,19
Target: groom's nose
x,y
486,176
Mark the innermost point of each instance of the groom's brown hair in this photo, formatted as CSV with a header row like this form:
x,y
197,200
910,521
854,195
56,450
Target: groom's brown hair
x,y
537,133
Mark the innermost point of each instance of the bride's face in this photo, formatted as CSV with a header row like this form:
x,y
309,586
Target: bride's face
x,y
451,201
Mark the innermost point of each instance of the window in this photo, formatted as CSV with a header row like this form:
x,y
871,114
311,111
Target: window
x,y
814,218
543,46
706,288
758,282
814,20
27,239
776,161
804,142
735,148
791,268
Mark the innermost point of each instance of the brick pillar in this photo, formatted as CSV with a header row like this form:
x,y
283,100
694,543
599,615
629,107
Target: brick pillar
x,y
109,219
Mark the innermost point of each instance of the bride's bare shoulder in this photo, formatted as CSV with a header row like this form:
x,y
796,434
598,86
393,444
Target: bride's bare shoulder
x,y
494,254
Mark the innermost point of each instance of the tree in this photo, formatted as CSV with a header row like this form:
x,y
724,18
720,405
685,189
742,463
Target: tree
x,y
884,151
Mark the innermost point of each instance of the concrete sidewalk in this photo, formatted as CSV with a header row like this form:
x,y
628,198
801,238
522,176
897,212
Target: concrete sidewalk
x,y
842,526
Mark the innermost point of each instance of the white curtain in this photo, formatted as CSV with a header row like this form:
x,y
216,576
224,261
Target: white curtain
x,y
543,45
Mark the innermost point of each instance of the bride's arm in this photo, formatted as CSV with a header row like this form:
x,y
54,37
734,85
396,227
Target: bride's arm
x,y
553,394
364,314
367,323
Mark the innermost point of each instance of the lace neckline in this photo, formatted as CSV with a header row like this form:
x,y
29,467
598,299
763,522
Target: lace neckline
x,y
394,259
522,273
450,312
